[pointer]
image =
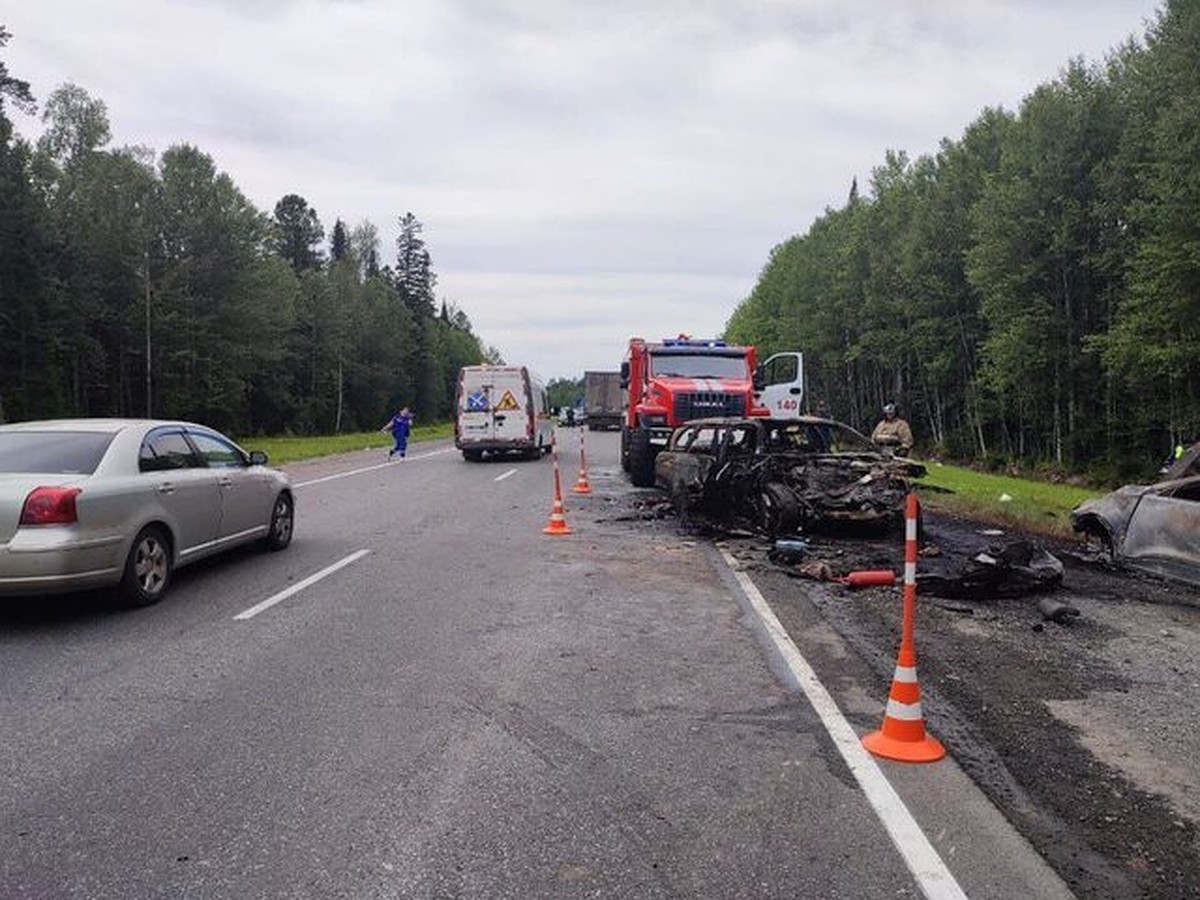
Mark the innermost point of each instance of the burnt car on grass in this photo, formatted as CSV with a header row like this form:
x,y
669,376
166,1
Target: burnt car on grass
x,y
1151,527
779,476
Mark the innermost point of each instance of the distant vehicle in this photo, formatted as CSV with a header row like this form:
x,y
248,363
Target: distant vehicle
x,y
783,475
501,410
679,379
1154,527
88,503
602,400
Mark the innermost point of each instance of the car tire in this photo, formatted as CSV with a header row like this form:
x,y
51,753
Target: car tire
x,y
624,448
472,455
283,523
148,568
778,511
641,458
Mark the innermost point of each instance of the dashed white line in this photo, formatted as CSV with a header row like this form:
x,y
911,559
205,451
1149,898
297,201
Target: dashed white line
x,y
382,465
504,475
300,585
930,872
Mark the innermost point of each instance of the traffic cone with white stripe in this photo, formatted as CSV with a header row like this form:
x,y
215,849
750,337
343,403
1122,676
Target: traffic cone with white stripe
x,y
558,522
581,485
903,736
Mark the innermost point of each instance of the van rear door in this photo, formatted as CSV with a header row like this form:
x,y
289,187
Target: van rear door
x,y
494,408
510,409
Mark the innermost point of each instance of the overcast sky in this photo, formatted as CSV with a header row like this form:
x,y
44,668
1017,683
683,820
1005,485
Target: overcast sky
x,y
585,170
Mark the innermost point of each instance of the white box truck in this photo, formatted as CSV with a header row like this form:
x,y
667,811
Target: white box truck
x,y
501,409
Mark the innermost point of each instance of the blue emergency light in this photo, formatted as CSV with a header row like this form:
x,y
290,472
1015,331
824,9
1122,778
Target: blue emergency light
x,y
690,342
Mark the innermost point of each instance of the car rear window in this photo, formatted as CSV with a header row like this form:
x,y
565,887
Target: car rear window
x,y
53,452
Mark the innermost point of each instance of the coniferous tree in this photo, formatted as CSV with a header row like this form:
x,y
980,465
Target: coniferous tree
x,y
299,233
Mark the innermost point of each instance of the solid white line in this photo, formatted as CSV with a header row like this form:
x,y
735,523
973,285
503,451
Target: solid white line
x,y
382,465
300,585
505,475
934,879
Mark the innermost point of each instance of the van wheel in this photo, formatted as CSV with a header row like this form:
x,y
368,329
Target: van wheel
x,y
148,568
472,455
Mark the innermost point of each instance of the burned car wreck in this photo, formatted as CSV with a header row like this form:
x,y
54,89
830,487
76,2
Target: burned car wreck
x,y
779,476
1154,528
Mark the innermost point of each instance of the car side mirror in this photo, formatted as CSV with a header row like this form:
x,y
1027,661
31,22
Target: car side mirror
x,y
258,457
760,378
625,374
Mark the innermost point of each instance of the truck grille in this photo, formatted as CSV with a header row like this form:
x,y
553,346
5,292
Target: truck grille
x,y
703,404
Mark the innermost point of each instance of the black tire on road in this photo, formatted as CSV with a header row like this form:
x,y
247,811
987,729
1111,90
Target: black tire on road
x,y
624,448
472,455
283,523
641,458
778,510
148,568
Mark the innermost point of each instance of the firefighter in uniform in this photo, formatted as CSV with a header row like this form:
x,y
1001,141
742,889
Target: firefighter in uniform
x,y
893,431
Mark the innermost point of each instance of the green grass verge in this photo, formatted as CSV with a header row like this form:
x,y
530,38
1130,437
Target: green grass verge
x,y
282,450
1036,506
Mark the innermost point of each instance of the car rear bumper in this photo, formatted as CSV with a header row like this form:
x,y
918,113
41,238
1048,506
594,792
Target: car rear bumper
x,y
50,560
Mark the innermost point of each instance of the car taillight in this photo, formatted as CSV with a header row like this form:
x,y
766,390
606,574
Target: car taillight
x,y
49,506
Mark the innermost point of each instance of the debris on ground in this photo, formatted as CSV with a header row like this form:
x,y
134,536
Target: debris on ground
x,y
1014,569
1057,611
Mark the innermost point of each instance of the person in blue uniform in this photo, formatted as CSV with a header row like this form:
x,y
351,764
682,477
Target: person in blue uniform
x,y
399,426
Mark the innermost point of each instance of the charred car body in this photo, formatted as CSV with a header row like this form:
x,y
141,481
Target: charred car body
x,y
783,475
1155,527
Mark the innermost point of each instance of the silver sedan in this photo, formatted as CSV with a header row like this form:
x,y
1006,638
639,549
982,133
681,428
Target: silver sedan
x,y
90,503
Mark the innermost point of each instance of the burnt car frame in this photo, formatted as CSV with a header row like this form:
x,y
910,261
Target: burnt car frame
x,y
779,476
1152,527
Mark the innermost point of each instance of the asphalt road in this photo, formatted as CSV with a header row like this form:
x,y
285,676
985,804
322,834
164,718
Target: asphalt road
x,y
463,707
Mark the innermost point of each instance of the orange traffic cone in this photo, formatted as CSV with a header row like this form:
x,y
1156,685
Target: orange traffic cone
x,y
903,736
581,485
557,523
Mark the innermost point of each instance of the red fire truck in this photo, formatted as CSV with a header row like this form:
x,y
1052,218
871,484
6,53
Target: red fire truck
x,y
679,379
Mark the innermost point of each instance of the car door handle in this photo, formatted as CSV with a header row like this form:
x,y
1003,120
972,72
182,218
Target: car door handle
x,y
166,488
794,391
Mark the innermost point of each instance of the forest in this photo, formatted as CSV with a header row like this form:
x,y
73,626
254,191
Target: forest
x,y
134,283
1030,293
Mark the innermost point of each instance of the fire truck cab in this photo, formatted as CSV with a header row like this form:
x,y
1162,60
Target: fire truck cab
x,y
679,379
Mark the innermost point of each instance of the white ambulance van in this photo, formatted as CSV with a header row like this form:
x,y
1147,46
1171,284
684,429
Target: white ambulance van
x,y
501,409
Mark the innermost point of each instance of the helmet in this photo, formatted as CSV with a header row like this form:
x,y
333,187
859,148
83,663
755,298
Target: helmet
x,y
889,409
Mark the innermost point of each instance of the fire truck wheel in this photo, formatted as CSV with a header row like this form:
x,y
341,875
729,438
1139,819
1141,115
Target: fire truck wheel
x,y
624,448
641,458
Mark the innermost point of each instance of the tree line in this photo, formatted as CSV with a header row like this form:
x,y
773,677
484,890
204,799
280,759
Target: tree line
x,y
1032,290
133,283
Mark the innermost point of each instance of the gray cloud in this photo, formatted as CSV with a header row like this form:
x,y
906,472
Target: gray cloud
x,y
584,171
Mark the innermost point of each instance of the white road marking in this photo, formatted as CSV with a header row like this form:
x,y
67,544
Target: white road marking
x,y
300,585
382,465
934,879
504,475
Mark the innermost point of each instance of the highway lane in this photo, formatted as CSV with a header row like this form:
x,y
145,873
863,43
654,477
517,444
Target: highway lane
x,y
466,707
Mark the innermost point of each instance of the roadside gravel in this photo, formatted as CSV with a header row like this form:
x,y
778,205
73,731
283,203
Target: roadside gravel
x,y
1083,734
